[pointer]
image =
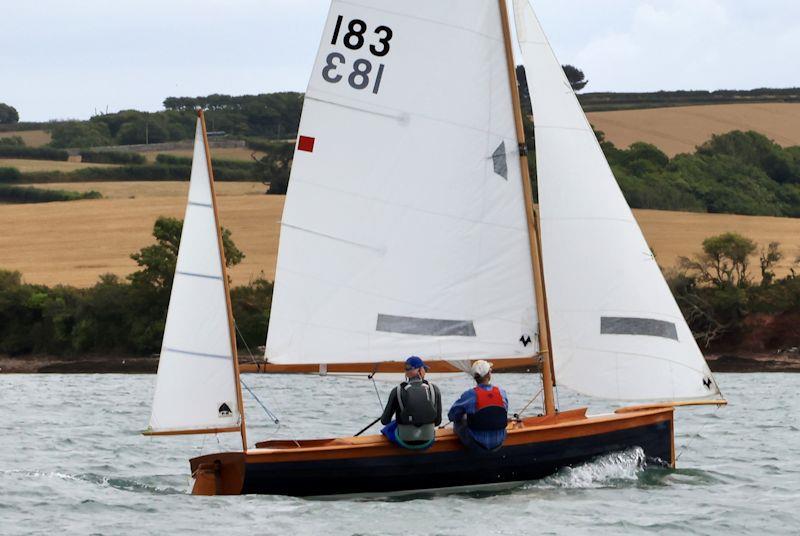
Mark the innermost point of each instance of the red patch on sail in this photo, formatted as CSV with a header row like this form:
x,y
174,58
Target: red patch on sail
x,y
306,144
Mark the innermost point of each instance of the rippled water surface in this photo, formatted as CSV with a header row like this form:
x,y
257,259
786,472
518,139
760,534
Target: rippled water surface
x,y
72,461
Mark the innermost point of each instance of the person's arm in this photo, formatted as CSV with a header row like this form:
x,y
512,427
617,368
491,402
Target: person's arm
x,y
391,407
438,394
462,406
505,397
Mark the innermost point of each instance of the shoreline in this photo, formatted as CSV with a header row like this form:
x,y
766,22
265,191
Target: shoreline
x,y
743,362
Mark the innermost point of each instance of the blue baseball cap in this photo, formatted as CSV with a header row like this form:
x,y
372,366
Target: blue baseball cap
x,y
414,362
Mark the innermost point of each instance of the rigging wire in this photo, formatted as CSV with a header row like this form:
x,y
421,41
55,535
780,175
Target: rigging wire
x,y
375,385
274,418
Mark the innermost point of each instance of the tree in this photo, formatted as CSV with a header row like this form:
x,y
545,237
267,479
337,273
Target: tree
x,y
276,166
8,114
576,77
157,262
151,286
724,261
769,258
80,134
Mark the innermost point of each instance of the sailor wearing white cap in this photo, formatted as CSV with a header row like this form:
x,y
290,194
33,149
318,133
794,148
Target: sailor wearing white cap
x,y
480,416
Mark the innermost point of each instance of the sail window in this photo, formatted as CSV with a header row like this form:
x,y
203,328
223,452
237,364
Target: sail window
x,y
500,161
638,326
425,326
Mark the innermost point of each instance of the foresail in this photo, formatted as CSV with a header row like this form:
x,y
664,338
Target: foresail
x,y
404,230
196,388
616,329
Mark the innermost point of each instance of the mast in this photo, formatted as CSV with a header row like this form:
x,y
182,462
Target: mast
x,y
533,222
232,328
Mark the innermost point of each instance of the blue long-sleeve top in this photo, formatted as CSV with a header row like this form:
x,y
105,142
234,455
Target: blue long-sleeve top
x,y
466,405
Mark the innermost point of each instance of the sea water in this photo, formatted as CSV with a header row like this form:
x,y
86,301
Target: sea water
x,y
72,461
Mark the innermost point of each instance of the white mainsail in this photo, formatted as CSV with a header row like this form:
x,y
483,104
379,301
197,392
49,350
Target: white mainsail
x,y
196,389
404,230
616,329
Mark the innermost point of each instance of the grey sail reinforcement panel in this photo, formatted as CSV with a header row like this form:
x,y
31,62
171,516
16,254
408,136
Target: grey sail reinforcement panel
x,y
614,325
425,326
500,161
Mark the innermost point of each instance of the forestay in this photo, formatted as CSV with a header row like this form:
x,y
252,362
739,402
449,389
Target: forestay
x,y
616,329
196,385
404,230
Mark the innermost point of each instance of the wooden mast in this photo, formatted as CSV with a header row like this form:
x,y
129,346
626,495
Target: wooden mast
x,y
533,222
220,243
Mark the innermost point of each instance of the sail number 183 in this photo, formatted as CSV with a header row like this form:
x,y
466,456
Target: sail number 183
x,y
363,74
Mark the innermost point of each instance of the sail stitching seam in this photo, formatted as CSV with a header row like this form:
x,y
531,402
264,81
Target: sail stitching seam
x,y
202,276
198,354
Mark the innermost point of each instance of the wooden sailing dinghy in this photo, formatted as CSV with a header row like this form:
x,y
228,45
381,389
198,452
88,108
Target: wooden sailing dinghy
x,y
409,229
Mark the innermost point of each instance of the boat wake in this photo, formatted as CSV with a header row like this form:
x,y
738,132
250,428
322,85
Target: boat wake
x,y
119,483
618,469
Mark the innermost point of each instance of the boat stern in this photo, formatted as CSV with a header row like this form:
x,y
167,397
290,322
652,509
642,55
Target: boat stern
x,y
218,474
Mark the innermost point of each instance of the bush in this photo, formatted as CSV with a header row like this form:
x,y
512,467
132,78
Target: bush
x,y
147,172
33,153
13,141
112,157
10,175
23,195
172,160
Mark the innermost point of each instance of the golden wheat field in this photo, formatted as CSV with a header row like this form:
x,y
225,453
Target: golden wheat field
x,y
73,243
33,138
681,129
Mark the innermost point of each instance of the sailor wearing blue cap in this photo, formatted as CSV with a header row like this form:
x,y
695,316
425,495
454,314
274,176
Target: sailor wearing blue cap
x,y
417,405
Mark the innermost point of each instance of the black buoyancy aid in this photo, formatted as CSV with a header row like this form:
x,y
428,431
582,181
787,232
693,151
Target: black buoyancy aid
x,y
490,411
417,401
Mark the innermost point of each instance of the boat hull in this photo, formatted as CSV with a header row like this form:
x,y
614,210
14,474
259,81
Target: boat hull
x,y
365,466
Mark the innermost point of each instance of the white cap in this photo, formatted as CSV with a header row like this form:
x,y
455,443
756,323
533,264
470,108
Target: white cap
x,y
481,368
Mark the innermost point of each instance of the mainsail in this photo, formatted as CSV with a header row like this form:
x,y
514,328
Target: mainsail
x,y
404,230
616,329
196,389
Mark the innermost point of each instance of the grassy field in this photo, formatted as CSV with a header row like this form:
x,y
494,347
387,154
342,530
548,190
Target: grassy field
x,y
73,243
680,130
139,189
33,138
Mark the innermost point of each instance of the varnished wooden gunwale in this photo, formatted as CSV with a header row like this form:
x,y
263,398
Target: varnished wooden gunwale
x,y
378,446
674,404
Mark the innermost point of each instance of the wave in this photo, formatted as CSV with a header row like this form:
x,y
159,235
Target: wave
x,y
611,470
119,483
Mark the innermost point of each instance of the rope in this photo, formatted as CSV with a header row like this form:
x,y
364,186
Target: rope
x,y
531,401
